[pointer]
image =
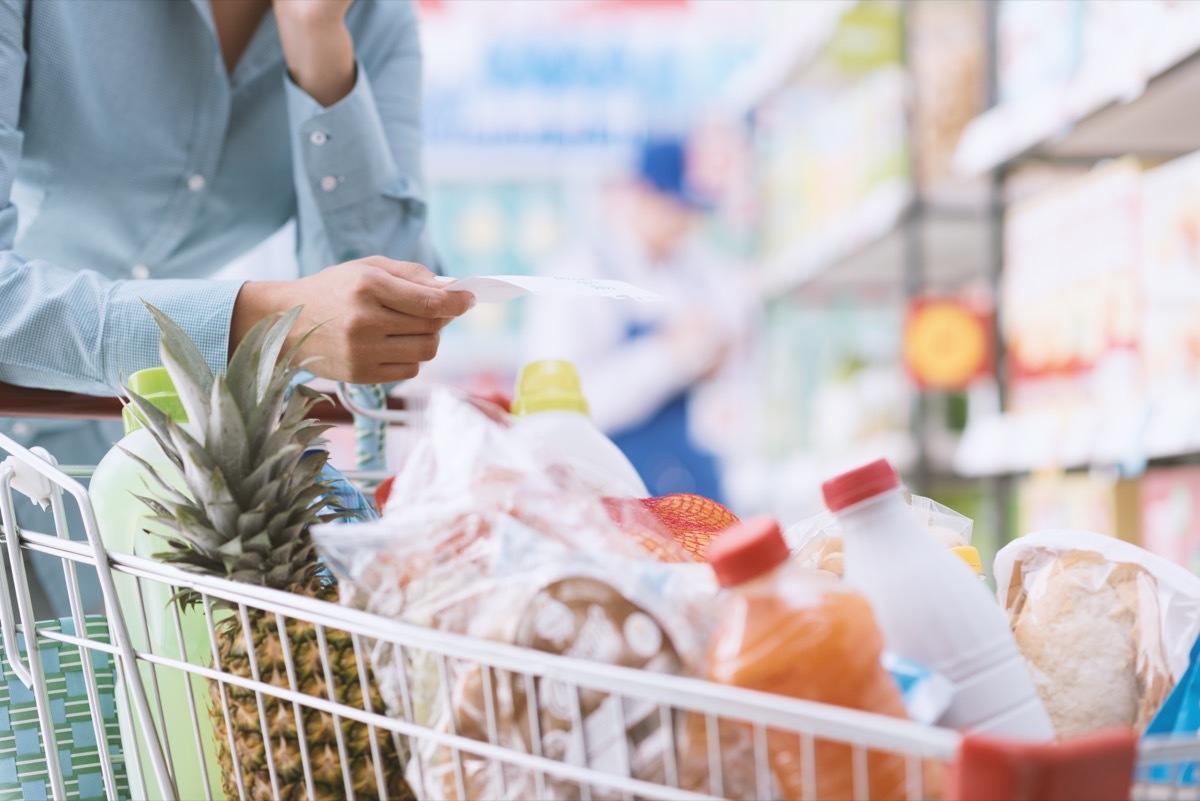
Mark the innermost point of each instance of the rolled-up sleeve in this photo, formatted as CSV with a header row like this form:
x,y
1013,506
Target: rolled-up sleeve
x,y
77,330
357,163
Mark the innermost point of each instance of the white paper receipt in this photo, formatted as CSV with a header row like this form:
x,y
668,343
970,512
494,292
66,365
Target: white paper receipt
x,y
503,288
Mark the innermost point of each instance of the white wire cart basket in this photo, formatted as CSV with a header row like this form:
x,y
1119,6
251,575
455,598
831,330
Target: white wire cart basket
x,y
127,721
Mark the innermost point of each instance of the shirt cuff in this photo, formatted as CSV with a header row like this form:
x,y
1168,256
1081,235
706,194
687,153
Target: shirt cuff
x,y
344,148
203,309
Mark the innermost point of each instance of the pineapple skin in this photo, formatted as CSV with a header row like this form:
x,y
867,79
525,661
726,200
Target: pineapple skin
x,y
320,735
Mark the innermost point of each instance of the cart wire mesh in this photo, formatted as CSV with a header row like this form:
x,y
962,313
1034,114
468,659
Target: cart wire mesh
x,y
391,708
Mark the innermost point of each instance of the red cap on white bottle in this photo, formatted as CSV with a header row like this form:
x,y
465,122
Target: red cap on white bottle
x,y
858,485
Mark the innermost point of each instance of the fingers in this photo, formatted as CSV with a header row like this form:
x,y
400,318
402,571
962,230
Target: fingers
x,y
395,289
395,358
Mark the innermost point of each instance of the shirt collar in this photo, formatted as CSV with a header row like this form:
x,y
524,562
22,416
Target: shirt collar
x,y
262,52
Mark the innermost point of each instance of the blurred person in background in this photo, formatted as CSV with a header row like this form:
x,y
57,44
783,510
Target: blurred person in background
x,y
641,365
145,145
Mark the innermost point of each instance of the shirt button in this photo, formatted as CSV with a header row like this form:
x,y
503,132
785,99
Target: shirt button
x,y
22,430
196,183
139,271
318,138
329,183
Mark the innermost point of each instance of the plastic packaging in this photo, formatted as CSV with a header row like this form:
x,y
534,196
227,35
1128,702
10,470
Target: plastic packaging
x,y
932,609
638,614
785,630
124,527
552,414
818,538
926,694
1106,626
1178,717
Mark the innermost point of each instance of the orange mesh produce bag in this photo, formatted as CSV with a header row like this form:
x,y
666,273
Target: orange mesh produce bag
x,y
692,520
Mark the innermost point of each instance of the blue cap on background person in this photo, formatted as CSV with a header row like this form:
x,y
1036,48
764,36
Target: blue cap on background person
x,y
662,166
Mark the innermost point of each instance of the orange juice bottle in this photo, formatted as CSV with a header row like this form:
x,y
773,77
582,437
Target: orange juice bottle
x,y
798,633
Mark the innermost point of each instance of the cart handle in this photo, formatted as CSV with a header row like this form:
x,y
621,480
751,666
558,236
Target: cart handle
x,y
26,402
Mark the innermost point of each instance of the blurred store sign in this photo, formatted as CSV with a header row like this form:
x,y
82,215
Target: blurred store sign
x,y
948,344
576,77
571,79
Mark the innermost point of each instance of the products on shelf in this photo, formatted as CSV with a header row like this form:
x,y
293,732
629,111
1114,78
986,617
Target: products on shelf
x,y
1107,627
790,631
823,153
1070,300
1039,45
932,608
1170,514
946,57
1171,275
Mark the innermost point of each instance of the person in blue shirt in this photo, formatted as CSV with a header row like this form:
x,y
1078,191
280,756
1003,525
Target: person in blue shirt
x,y
643,365
143,145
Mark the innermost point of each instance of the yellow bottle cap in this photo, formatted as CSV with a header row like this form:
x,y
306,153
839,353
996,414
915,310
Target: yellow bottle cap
x,y
549,386
155,385
970,555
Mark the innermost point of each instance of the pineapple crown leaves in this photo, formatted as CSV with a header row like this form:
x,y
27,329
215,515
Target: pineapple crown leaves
x,y
253,486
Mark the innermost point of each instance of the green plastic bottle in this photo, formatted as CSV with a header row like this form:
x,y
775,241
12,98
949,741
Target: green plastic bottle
x,y
123,523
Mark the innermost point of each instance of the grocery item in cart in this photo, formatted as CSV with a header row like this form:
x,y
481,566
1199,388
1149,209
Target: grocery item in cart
x,y
818,538
552,414
126,472
693,521
787,630
467,470
537,592
253,492
932,608
1105,625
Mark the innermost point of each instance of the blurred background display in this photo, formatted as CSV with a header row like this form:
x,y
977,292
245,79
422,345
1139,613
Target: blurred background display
x,y
969,232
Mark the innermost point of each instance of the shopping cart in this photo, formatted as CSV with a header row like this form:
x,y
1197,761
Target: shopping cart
x,y
124,670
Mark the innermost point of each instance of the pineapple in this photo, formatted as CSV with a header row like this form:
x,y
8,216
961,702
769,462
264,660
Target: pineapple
x,y
255,489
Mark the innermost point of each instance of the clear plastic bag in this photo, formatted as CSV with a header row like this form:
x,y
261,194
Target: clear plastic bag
x,y
638,614
818,541
1105,626
483,536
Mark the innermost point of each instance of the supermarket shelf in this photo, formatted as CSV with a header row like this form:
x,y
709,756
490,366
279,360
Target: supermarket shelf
x,y
874,218
1151,108
869,248
795,46
1129,435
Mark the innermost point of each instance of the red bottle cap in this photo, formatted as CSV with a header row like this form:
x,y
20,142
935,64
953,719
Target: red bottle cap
x,y
859,485
747,550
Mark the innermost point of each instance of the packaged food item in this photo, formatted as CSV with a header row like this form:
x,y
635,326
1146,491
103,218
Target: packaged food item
x,y
552,414
482,536
932,608
785,630
818,539
1105,625
691,520
639,614
465,470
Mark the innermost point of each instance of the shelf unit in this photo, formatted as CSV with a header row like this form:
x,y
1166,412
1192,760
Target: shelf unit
x,y
1143,100
901,241
1148,106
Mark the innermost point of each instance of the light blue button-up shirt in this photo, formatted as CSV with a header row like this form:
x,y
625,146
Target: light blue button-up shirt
x,y
133,166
